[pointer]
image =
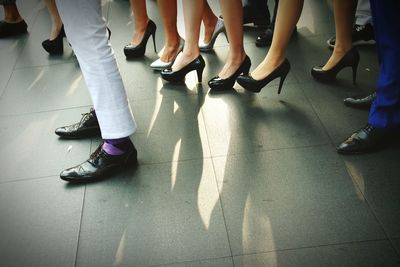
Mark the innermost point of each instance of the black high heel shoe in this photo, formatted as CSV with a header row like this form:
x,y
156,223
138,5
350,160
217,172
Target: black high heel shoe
x,y
55,46
219,84
197,64
248,83
350,59
134,51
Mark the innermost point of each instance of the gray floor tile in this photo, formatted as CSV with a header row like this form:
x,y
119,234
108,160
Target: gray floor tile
x,y
44,89
142,83
170,129
375,253
222,262
240,122
10,49
396,243
29,148
33,53
291,198
327,100
377,176
159,214
39,223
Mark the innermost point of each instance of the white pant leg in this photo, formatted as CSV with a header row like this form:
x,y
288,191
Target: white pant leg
x,y
363,12
86,30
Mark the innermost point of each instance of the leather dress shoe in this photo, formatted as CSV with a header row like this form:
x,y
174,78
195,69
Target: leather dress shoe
x,y
100,165
360,102
87,127
368,139
265,38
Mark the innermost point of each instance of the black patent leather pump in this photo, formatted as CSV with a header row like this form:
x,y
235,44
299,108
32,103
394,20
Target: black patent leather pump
x,y
135,51
219,84
55,46
350,59
255,86
197,64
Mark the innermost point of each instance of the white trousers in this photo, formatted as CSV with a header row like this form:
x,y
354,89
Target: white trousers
x,y
86,30
363,13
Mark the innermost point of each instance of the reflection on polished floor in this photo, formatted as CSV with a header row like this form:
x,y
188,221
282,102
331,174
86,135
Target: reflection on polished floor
x,y
225,179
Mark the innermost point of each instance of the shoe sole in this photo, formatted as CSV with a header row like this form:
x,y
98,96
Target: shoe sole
x,y
357,43
131,162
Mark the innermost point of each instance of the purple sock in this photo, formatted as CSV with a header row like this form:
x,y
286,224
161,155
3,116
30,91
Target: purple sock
x,y
110,146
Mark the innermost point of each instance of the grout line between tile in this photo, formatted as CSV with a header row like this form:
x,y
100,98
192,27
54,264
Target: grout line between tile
x,y
317,246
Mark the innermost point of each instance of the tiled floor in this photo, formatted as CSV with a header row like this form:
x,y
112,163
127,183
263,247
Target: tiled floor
x,y
225,179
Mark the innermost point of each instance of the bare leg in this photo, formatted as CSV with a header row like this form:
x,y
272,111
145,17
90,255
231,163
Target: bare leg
x,y
55,17
192,13
288,14
209,22
233,16
11,13
168,12
140,19
344,17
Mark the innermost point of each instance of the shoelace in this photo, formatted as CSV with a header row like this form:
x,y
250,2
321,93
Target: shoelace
x,y
359,28
86,116
95,155
368,128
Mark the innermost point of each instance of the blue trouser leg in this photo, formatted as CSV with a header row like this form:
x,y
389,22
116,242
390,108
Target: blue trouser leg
x,y
385,111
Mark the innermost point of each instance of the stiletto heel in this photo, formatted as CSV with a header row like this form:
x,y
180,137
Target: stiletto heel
x,y
135,51
197,64
55,46
219,27
281,83
219,84
250,84
200,74
109,33
350,59
354,67
154,41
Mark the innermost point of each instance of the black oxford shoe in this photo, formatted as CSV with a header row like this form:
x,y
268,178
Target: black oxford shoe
x,y
100,165
360,102
87,127
368,139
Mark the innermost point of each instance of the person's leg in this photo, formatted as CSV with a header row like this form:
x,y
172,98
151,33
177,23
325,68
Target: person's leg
x,y
209,21
87,32
13,23
168,12
140,19
192,13
55,18
343,11
385,111
11,13
265,38
257,12
287,16
232,12
384,118
363,13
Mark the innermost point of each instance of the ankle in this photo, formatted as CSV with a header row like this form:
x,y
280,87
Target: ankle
x,y
140,27
211,22
12,19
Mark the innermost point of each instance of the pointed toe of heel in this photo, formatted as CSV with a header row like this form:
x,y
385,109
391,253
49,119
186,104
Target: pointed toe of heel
x,y
255,86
